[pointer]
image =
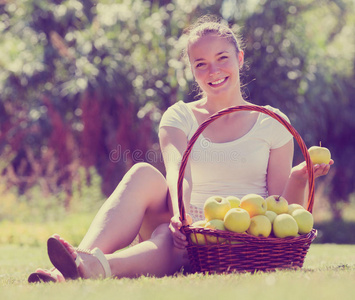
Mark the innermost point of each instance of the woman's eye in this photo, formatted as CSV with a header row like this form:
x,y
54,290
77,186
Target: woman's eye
x,y
223,58
200,65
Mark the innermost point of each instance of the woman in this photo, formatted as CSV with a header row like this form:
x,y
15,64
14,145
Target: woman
x,y
254,155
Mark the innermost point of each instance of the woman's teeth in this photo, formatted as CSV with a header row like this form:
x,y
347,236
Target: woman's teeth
x,y
218,81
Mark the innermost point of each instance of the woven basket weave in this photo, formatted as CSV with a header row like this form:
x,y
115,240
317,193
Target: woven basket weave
x,y
236,252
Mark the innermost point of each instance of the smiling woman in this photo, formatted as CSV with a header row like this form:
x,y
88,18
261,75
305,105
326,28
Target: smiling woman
x,y
258,156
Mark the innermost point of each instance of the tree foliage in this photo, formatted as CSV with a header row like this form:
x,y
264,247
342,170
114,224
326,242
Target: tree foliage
x,y
84,83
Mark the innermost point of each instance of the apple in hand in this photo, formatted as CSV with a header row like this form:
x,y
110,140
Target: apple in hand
x,y
278,204
319,155
198,238
292,207
304,220
285,226
254,204
215,224
237,220
234,201
216,207
260,225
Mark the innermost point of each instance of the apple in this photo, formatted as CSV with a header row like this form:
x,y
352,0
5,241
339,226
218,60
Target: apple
x,y
260,225
278,204
254,204
304,220
215,224
285,226
198,238
216,207
234,201
237,220
292,207
271,215
319,155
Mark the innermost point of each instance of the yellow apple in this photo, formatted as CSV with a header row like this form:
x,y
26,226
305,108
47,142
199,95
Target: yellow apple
x,y
215,224
216,207
319,155
254,204
304,220
271,215
237,220
278,204
285,226
234,201
260,225
198,238
292,207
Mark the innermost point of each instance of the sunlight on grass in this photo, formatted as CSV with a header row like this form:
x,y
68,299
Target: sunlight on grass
x,y
327,274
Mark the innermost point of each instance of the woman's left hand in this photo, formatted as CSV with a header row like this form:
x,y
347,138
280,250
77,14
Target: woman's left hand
x,y
300,171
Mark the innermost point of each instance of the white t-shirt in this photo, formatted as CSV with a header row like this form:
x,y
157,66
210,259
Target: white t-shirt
x,y
234,168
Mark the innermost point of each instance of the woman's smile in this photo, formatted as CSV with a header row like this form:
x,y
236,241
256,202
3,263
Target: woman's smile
x,y
219,82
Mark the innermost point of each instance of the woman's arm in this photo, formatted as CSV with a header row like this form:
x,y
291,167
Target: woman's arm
x,y
173,143
290,182
279,180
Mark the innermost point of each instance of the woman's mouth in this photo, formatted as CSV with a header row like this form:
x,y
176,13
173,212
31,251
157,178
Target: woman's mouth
x,y
218,82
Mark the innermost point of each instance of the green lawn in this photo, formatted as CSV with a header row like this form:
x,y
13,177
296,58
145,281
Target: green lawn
x,y
328,273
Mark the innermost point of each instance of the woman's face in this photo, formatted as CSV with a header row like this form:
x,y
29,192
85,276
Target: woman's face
x,y
215,64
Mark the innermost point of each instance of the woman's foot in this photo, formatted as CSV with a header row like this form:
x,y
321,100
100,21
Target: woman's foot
x,y
74,263
42,275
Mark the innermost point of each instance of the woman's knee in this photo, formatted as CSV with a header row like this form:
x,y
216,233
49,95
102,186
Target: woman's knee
x,y
146,171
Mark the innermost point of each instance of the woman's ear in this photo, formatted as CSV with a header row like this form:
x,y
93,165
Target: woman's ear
x,y
241,58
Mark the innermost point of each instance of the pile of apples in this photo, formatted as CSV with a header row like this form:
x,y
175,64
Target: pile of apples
x,y
254,215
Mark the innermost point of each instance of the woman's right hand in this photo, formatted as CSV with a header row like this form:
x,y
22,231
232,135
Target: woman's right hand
x,y
179,238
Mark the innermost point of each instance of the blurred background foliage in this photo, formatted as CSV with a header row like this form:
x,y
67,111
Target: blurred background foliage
x,y
84,83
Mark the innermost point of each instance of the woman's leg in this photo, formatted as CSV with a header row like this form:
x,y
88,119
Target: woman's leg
x,y
138,205
154,257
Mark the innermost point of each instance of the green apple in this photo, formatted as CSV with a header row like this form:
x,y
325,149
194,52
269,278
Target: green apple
x,y
292,207
260,225
215,224
198,238
285,226
319,155
234,201
271,215
304,220
254,204
278,204
216,207
237,220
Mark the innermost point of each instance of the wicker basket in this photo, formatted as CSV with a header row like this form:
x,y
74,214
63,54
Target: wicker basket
x,y
236,252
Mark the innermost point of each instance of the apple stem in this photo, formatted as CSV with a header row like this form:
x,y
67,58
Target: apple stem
x,y
320,143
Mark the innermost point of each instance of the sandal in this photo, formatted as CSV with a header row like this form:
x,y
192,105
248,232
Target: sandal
x,y
45,276
64,261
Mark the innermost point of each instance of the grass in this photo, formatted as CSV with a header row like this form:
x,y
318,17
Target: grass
x,y
328,273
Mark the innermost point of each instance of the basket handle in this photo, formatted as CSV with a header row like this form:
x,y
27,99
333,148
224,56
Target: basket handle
x,y
229,110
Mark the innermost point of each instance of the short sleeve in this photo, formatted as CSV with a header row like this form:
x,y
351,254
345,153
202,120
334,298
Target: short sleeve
x,y
281,135
177,116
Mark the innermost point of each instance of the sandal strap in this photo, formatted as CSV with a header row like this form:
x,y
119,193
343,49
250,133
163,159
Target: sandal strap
x,y
99,255
103,260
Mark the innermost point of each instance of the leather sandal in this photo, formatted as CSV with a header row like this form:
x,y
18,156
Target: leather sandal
x,y
63,260
45,276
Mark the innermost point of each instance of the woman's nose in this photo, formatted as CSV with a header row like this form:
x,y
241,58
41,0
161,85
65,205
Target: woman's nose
x,y
214,69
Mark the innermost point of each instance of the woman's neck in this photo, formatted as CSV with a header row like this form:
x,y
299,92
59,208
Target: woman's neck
x,y
214,104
